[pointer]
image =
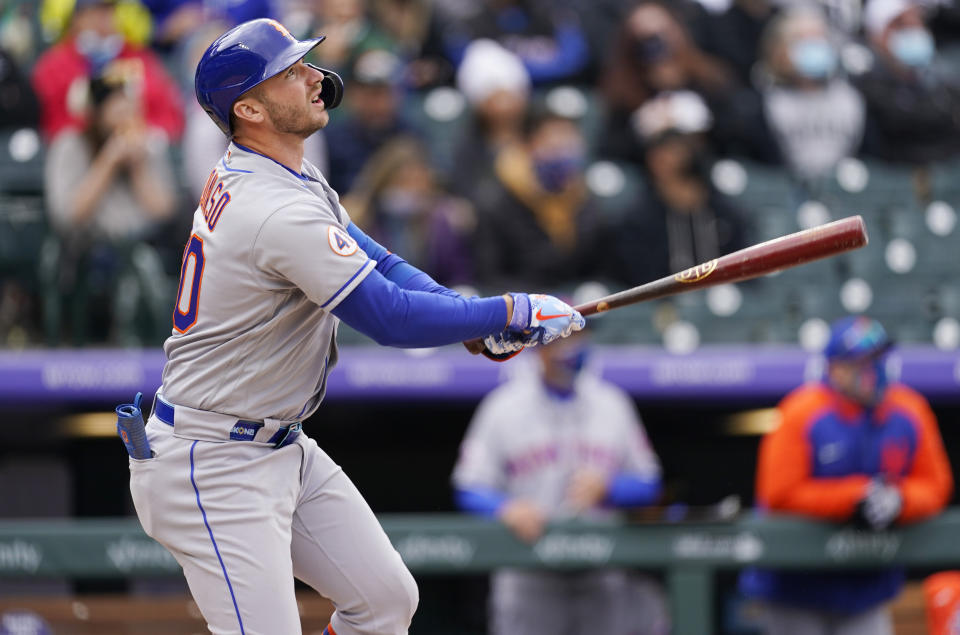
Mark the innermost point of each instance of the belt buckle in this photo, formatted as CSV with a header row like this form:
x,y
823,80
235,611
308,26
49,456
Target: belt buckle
x,y
291,429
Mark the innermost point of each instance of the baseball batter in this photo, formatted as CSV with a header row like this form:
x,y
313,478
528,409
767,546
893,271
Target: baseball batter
x,y
550,445
239,494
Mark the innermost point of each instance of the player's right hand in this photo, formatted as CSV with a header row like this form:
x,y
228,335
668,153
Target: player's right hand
x,y
524,519
541,319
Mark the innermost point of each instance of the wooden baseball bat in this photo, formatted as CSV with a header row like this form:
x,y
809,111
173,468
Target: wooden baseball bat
x,y
757,260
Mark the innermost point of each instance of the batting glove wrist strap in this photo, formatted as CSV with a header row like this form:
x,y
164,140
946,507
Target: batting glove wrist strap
x,y
522,312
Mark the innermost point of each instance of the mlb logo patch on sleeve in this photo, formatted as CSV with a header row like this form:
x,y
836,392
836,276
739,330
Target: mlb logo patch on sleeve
x,y
340,242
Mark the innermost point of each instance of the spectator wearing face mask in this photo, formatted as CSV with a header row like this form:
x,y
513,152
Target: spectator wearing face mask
x,y
913,104
654,53
108,188
91,42
680,219
397,200
497,88
537,221
815,116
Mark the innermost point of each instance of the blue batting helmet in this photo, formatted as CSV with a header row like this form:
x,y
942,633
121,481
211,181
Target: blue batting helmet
x,y
856,337
247,55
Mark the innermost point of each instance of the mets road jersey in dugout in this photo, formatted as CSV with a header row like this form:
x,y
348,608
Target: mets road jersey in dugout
x,y
268,259
526,443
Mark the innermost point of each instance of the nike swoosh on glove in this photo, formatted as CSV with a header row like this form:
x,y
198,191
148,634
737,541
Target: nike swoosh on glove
x,y
548,318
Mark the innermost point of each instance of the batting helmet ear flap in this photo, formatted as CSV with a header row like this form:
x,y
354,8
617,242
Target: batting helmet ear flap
x,y
331,88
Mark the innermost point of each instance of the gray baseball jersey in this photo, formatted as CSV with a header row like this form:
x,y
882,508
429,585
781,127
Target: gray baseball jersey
x,y
528,444
268,259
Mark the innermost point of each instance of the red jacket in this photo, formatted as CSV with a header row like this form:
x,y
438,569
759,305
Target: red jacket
x,y
60,66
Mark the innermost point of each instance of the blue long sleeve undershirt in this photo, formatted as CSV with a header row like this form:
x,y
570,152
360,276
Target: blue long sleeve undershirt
x,y
632,490
625,490
395,268
485,501
399,305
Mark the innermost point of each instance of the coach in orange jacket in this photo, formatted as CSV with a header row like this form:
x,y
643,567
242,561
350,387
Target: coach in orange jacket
x,y
851,448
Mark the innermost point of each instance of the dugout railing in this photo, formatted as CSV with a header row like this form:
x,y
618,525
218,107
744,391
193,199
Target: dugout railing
x,y
689,554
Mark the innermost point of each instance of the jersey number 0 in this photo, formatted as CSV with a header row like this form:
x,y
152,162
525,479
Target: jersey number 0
x,y
188,294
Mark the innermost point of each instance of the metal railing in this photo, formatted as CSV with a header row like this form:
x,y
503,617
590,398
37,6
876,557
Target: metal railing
x,y
689,554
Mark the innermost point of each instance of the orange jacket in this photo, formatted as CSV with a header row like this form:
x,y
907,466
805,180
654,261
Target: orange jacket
x,y
820,459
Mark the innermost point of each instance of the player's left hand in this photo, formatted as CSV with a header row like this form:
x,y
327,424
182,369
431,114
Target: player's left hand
x,y
586,489
548,319
880,507
501,346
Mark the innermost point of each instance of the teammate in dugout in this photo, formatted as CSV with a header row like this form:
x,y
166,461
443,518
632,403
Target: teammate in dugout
x,y
853,447
553,444
242,498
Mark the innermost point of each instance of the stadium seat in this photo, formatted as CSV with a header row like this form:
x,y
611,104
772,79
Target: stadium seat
x,y
945,180
22,230
21,161
764,187
616,186
441,115
868,187
632,324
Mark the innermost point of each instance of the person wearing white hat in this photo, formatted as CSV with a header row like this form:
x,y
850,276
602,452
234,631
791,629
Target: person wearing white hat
x,y
911,102
497,88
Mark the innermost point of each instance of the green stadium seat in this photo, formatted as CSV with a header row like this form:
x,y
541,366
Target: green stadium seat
x,y
616,186
868,187
441,114
21,161
23,228
634,324
945,180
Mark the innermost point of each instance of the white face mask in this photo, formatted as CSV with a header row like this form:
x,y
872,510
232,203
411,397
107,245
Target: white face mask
x,y
98,50
913,46
813,58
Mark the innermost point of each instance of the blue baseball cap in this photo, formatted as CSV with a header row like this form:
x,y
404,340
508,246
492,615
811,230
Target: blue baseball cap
x,y
856,337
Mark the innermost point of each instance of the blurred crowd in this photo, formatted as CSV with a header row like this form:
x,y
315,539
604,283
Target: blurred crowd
x,y
467,136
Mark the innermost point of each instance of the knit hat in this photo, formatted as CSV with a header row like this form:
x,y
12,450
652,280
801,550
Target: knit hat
x,y
878,14
488,67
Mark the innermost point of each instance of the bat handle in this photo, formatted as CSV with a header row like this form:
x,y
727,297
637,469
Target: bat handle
x,y
475,346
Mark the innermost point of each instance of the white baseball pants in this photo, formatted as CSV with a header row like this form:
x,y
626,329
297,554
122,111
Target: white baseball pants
x,y
244,519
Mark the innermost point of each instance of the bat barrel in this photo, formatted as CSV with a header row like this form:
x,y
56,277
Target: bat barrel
x,y
751,262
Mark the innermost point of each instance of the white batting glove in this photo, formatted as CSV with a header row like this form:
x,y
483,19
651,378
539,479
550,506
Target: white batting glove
x,y
880,506
541,319
502,346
